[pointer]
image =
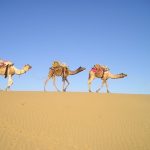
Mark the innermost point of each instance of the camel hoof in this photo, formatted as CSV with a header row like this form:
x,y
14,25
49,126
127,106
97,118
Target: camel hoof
x,y
108,91
64,90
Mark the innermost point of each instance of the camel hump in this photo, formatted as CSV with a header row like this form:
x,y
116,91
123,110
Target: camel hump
x,y
101,67
97,66
4,63
57,64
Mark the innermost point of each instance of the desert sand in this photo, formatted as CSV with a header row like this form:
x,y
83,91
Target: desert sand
x,y
74,121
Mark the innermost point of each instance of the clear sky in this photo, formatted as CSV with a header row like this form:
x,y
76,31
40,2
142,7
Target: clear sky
x,y
79,33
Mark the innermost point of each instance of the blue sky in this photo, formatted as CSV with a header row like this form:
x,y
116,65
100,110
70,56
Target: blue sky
x,y
79,33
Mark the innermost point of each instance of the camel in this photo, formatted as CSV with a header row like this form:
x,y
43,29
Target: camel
x,y
62,71
103,73
10,70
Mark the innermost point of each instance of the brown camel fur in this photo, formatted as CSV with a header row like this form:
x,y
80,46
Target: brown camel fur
x,y
10,70
64,72
104,77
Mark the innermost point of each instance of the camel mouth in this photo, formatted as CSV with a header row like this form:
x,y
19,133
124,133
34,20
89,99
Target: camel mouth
x,y
124,75
30,66
82,68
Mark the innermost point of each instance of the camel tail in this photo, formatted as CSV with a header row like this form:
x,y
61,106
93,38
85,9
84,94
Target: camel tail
x,y
6,71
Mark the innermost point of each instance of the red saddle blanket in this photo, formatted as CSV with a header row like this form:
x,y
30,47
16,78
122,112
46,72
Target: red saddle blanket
x,y
99,71
4,63
94,70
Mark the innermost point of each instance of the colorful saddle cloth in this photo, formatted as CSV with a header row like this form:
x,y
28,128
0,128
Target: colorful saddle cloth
x,y
4,63
57,64
99,69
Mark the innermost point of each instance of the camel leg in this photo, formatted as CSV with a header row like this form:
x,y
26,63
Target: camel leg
x,y
10,82
63,88
46,83
54,84
90,82
66,85
107,87
100,86
1,89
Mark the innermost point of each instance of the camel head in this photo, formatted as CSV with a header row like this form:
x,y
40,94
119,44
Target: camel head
x,y
123,75
81,69
27,67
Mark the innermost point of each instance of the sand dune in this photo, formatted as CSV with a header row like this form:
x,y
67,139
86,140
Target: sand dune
x,y
74,121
